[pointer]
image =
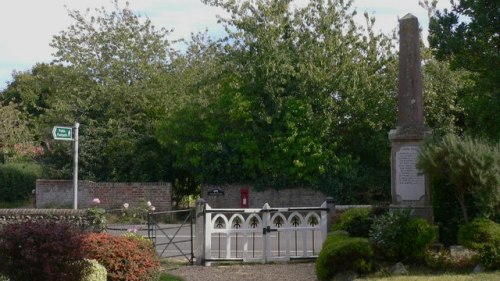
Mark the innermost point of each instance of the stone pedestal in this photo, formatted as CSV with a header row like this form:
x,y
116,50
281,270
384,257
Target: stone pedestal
x,y
409,186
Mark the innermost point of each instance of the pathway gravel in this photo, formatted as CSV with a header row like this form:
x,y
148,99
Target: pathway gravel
x,y
249,272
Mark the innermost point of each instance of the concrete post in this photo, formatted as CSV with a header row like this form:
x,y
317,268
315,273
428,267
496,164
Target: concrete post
x,y
200,231
330,204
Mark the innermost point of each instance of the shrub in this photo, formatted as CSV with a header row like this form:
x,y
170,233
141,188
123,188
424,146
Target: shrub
x,y
95,271
490,256
40,251
479,233
470,167
17,180
125,258
343,253
356,221
395,235
443,260
482,235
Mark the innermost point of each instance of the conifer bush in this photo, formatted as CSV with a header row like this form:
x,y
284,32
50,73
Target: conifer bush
x,y
469,169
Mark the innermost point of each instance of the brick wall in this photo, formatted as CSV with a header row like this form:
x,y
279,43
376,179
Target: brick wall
x,y
59,194
293,197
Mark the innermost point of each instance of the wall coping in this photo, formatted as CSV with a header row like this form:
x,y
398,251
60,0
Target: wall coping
x,y
47,212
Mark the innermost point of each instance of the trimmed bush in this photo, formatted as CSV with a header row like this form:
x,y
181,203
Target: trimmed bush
x,y
356,221
125,258
479,233
395,236
343,253
17,180
95,271
40,250
482,235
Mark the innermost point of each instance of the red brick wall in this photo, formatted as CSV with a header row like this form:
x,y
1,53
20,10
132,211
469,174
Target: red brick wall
x,y
292,197
59,194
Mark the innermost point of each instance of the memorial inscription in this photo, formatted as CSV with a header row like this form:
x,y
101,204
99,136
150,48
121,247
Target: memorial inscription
x,y
410,181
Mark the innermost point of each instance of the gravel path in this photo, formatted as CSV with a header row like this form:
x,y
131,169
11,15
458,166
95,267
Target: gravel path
x,y
246,272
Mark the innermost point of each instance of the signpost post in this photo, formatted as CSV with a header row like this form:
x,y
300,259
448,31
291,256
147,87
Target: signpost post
x,y
70,134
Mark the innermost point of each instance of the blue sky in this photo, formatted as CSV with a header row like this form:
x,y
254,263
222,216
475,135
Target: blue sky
x,y
27,26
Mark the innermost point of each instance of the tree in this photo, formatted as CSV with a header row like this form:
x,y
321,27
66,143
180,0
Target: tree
x,y
299,97
468,36
123,60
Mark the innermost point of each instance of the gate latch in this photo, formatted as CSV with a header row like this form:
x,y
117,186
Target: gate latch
x,y
268,229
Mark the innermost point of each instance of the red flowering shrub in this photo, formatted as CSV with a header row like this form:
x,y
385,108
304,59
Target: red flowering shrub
x,y
125,257
39,250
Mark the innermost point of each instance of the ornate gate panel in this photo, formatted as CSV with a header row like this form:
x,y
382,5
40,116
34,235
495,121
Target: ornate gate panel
x,y
265,235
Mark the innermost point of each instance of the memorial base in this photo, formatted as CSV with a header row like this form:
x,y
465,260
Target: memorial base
x,y
409,186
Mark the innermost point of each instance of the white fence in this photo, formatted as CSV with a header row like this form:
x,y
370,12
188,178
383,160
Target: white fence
x,y
263,235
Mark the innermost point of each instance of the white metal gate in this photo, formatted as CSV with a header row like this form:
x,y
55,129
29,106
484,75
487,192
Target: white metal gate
x,y
264,235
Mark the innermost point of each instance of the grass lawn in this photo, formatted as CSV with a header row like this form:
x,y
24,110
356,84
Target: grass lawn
x,y
169,277
492,276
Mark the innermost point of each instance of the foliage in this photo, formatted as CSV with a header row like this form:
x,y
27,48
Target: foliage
x,y
479,233
287,105
125,258
443,260
395,235
15,135
343,253
467,36
490,256
95,272
40,251
471,167
356,221
17,180
97,216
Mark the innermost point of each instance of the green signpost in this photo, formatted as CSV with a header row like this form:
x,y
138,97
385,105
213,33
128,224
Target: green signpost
x,y
70,134
62,133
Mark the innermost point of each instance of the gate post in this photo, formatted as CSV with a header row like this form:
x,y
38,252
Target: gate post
x,y
200,231
330,204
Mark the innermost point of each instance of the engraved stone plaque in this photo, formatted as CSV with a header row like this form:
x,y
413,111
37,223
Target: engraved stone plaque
x,y
410,182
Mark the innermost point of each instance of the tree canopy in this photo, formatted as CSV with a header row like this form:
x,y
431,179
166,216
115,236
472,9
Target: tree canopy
x,y
289,97
468,37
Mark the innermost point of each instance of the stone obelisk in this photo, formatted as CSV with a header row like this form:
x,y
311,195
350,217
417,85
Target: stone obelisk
x,y
410,187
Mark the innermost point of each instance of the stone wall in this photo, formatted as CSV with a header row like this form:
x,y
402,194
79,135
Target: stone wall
x,y
293,197
77,217
59,194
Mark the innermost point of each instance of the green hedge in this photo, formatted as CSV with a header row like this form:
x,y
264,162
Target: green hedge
x,y
343,253
17,180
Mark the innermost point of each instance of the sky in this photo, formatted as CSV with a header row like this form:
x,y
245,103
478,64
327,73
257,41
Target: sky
x,y
27,26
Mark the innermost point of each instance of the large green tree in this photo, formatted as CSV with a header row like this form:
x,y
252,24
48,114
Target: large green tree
x,y
296,97
468,37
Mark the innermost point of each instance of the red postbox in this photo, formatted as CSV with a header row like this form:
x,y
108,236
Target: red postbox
x,y
244,202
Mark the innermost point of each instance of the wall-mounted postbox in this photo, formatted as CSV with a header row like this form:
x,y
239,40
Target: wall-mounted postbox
x,y
244,201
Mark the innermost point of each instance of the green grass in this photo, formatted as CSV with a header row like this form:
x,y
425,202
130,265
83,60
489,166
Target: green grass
x,y
492,276
169,277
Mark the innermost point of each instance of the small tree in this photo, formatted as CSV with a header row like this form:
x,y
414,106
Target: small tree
x,y
471,167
